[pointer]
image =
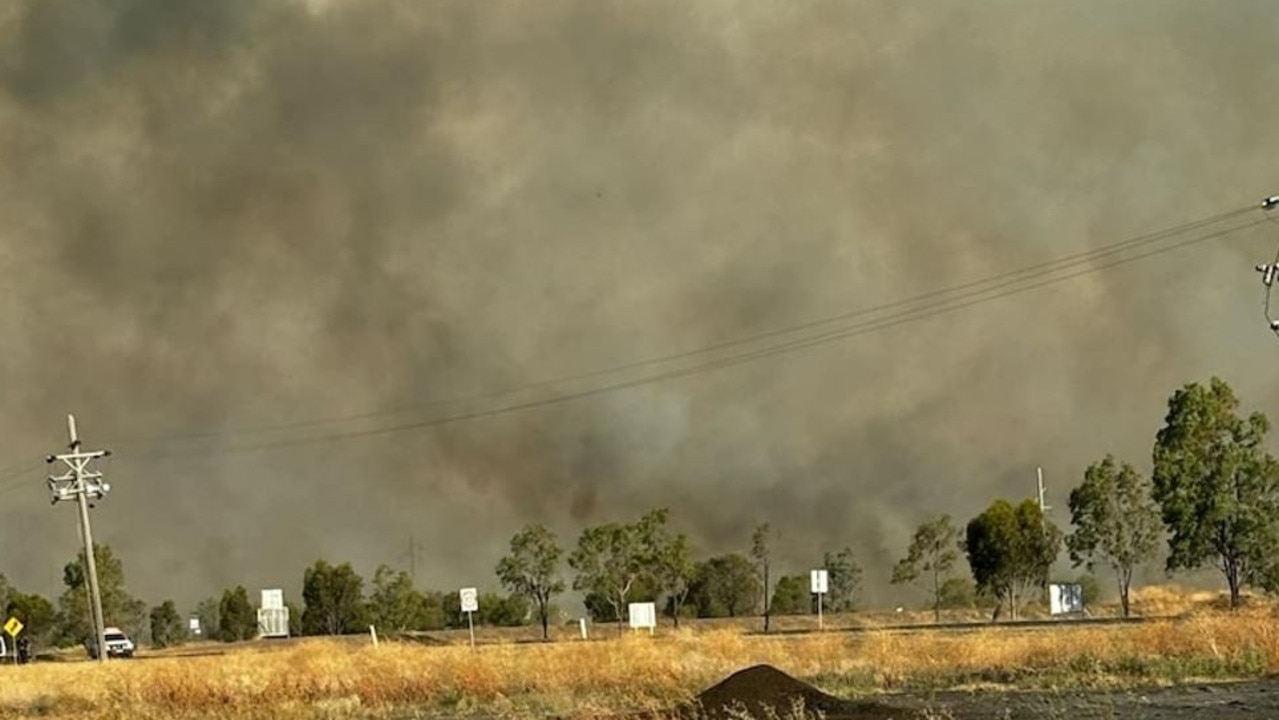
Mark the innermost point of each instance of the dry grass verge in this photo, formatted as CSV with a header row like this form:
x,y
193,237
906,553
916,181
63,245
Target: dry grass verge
x,y
322,679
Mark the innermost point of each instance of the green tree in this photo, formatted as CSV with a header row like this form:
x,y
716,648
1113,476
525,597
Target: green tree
x,y
167,627
512,610
532,570
432,616
394,604
494,609
1089,589
957,593
451,606
645,589
1010,550
843,579
36,613
791,596
933,550
295,619
208,612
334,597
612,559
1217,489
119,608
761,553
674,570
725,586
237,620
1116,522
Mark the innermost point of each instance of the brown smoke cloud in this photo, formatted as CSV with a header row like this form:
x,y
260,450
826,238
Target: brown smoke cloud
x,y
228,215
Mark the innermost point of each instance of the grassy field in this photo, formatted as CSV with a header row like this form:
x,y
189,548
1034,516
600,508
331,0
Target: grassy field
x,y
350,678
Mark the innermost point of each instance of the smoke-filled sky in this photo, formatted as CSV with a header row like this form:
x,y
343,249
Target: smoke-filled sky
x,y
220,217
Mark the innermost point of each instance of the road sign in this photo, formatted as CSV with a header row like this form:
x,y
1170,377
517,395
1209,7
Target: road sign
x,y
470,603
820,582
642,615
470,600
1065,598
13,627
273,599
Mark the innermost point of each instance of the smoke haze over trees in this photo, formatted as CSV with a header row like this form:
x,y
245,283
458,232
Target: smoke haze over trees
x,y
231,215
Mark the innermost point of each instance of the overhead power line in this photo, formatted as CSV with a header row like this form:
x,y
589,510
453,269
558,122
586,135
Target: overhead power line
x,y
11,479
1000,280
947,300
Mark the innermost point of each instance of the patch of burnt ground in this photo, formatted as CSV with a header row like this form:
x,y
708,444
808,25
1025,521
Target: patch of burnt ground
x,y
764,692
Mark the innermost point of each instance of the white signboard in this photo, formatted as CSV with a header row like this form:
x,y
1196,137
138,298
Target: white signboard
x,y
470,600
642,615
273,599
1065,598
819,582
193,624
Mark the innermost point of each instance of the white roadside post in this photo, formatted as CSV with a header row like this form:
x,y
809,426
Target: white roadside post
x,y
470,603
819,580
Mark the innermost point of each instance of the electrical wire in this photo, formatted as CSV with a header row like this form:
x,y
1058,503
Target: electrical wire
x,y
1000,280
12,478
1008,288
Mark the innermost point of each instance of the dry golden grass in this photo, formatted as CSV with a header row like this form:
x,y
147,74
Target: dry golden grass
x,y
330,679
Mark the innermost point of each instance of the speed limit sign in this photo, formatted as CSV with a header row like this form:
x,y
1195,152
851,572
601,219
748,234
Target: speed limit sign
x,y
470,600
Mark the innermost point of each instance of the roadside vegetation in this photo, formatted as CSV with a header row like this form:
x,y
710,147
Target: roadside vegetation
x,y
317,678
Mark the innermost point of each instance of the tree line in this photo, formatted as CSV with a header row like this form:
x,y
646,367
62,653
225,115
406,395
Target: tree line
x,y
1213,496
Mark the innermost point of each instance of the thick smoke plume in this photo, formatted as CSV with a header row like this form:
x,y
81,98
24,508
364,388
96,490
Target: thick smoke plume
x,y
220,216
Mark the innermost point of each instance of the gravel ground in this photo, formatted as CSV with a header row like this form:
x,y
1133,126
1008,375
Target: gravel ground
x,y
1256,700
756,690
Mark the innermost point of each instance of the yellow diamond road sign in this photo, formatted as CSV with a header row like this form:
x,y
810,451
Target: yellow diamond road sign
x,y
13,627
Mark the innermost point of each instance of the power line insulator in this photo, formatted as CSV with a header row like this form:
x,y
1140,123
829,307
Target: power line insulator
x,y
1267,273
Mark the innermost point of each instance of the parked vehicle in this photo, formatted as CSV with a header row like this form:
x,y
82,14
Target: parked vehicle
x,y
118,644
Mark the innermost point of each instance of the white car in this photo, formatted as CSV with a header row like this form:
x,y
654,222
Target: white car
x,y
118,644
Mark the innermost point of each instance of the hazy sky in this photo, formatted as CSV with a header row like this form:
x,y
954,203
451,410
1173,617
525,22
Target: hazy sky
x,y
219,217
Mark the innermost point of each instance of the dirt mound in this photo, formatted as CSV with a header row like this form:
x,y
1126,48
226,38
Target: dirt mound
x,y
764,692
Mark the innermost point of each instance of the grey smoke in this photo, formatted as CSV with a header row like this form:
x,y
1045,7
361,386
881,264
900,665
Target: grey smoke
x,y
236,214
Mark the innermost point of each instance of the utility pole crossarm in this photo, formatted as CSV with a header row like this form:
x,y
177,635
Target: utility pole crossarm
x,y
67,486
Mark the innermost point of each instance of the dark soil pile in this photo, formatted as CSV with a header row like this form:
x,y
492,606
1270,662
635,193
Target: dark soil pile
x,y
764,692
